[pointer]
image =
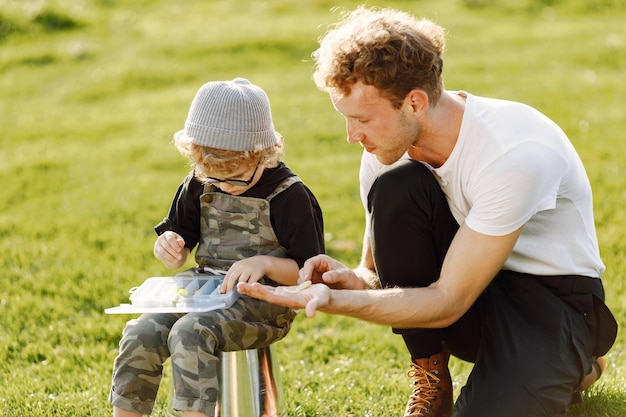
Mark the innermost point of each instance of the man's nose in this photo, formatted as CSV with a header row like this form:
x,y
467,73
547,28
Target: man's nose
x,y
354,135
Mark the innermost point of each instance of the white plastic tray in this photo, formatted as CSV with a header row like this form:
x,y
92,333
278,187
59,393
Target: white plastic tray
x,y
179,294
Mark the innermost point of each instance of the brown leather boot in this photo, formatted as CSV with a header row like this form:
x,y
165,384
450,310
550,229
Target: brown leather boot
x,y
432,387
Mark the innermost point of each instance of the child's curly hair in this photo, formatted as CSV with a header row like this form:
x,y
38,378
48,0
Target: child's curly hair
x,y
212,162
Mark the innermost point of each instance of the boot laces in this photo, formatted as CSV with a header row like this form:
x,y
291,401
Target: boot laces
x,y
425,391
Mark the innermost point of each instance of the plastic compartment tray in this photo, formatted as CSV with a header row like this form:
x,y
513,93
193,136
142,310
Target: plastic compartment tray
x,y
179,294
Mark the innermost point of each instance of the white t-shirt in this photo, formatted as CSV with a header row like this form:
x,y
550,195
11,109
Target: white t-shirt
x,y
513,167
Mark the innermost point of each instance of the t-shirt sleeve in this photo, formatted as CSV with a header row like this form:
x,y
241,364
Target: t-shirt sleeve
x,y
367,174
510,190
184,214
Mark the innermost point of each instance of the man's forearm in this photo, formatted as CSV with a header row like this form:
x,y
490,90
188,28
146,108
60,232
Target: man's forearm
x,y
396,307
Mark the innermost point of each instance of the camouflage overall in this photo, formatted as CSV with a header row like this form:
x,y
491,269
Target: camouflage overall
x,y
232,228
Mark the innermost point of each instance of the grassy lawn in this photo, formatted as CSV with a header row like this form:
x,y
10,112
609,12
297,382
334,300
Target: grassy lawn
x,y
92,91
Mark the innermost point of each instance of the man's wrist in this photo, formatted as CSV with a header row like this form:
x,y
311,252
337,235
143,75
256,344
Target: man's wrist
x,y
368,278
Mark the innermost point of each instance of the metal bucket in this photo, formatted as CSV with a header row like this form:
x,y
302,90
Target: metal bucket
x,y
249,385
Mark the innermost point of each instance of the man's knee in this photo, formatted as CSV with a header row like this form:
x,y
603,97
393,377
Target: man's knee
x,y
404,183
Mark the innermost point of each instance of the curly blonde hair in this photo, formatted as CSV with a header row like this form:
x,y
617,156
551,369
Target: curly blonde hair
x,y
212,162
385,48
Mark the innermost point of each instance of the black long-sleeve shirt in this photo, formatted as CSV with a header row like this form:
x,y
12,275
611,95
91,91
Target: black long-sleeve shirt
x,y
295,213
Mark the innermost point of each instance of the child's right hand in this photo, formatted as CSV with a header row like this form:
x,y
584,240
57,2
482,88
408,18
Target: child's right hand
x,y
169,248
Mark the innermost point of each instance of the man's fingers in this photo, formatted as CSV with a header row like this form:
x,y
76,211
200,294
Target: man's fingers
x,y
311,307
271,295
255,290
297,288
306,272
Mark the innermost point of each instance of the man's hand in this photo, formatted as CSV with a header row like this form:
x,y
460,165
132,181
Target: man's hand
x,y
324,269
313,298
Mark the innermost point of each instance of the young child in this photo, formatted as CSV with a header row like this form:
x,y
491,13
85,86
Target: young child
x,y
249,214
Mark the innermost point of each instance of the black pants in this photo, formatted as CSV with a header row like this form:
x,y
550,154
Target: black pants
x,y
531,344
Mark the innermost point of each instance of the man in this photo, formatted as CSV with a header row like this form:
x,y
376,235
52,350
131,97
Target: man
x,y
482,243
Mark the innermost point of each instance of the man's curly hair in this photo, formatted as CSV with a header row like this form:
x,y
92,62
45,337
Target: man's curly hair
x,y
385,48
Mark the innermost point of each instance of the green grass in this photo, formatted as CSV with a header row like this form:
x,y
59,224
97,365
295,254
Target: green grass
x,y
92,91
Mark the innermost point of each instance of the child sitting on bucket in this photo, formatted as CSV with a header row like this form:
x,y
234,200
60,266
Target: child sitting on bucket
x,y
248,214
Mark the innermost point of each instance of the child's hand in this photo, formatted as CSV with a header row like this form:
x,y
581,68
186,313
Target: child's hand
x,y
169,248
246,270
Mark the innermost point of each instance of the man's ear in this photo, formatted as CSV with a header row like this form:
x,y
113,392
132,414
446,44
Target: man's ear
x,y
417,99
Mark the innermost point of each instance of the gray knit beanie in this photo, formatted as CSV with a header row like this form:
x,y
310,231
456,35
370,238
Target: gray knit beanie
x,y
232,115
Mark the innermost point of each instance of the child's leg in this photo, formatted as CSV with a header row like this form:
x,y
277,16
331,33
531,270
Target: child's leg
x,y
138,368
118,412
197,339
